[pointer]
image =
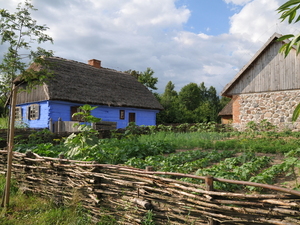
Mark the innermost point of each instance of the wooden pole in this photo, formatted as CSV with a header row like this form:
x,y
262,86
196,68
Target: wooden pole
x,y
209,183
209,186
10,145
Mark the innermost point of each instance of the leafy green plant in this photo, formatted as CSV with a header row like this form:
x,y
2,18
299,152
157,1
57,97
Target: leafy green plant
x,y
85,114
44,149
262,126
148,218
85,141
3,122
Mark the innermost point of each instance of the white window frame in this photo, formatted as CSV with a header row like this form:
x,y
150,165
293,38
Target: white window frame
x,y
33,112
18,113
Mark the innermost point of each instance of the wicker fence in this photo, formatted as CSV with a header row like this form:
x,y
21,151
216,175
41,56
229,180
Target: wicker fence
x,y
129,193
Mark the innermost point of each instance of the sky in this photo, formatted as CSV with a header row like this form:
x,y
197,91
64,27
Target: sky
x,y
182,41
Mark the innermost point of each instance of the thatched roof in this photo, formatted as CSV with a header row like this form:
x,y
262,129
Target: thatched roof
x,y
238,76
227,110
79,82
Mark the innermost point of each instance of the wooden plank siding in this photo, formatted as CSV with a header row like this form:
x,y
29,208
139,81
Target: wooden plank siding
x,y
36,94
270,71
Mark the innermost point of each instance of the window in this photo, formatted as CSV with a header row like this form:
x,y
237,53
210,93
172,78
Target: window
x,y
33,112
122,114
75,109
131,117
18,114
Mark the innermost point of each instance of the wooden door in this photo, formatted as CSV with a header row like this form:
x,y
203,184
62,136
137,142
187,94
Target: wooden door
x,y
131,117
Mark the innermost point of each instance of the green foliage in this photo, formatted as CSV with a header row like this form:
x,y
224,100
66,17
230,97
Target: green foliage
x,y
288,12
236,168
182,162
39,142
189,96
116,151
85,114
146,78
133,130
296,113
13,188
44,149
286,168
194,104
148,218
18,30
169,100
33,210
3,122
224,155
37,137
263,125
83,144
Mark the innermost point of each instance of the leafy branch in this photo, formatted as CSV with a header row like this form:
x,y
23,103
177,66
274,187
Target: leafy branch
x,y
289,12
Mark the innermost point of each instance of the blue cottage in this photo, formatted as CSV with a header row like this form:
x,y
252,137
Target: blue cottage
x,y
119,97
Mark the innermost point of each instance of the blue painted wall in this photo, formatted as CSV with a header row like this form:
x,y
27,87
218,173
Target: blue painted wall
x,y
62,109
42,121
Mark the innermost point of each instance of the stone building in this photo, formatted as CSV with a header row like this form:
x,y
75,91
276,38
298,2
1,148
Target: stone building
x,y
266,88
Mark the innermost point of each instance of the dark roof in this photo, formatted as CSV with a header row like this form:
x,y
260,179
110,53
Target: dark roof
x,y
275,36
79,82
227,110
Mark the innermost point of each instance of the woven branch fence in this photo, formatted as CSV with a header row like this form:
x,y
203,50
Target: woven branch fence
x,y
129,193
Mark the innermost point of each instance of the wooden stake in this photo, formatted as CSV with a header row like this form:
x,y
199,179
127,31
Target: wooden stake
x,y
10,145
209,186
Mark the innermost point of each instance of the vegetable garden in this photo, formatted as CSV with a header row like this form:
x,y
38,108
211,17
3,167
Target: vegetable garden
x,y
109,173
264,157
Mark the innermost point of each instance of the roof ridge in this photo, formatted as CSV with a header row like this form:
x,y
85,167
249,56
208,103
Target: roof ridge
x,y
84,64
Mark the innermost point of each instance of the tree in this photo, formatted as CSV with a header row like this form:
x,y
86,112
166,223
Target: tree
x,y
18,30
169,100
203,92
288,12
189,96
146,77
169,95
214,103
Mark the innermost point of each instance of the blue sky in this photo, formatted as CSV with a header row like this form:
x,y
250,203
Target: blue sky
x,y
208,16
183,41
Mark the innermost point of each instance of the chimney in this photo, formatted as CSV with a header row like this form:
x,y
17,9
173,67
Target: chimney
x,y
95,63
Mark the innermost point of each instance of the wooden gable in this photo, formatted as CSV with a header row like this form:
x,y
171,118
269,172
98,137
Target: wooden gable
x,y
267,71
38,93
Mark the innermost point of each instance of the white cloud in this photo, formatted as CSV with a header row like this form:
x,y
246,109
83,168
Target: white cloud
x,y
258,20
237,2
135,34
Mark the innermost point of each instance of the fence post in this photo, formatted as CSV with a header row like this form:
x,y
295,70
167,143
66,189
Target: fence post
x,y
60,187
209,186
209,183
59,125
51,125
149,168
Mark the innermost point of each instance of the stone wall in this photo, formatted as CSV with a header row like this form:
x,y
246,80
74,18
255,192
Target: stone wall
x,y
275,107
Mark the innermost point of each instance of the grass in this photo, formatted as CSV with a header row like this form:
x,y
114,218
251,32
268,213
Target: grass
x,y
33,210
185,140
271,143
3,122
